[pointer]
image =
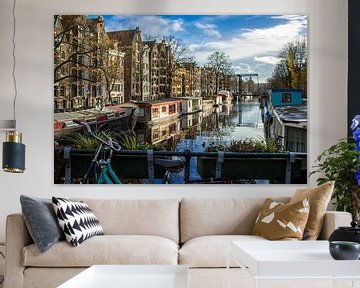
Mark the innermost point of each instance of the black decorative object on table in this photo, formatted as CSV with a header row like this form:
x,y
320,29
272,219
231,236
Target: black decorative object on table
x,y
344,250
346,233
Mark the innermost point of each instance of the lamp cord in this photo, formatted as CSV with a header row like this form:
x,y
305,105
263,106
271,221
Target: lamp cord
x,y
14,61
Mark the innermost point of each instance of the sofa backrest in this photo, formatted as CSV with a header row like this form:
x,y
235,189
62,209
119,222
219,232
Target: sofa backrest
x,y
159,217
200,217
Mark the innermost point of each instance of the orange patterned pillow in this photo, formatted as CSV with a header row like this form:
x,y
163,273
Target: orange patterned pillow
x,y
279,221
319,198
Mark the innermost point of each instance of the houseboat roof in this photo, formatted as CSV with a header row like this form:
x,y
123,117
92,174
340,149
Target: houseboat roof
x,y
294,114
165,100
286,90
189,98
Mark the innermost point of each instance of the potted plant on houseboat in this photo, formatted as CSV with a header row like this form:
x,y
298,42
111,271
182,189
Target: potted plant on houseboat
x,y
341,163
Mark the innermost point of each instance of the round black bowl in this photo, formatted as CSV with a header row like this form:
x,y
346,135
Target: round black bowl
x,y
344,250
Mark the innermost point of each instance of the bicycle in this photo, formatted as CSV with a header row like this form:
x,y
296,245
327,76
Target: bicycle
x,y
100,167
177,165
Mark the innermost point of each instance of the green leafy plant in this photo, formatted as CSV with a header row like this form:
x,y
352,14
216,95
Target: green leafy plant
x,y
339,163
82,141
248,145
85,141
128,141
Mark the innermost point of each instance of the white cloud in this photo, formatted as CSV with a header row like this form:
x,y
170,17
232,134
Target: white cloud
x,y
208,29
259,42
150,26
267,59
243,68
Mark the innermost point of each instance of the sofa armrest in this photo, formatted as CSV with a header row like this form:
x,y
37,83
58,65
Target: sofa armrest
x,y
17,237
333,220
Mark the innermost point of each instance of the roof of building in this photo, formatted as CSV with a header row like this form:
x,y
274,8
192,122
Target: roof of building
x,y
68,20
124,37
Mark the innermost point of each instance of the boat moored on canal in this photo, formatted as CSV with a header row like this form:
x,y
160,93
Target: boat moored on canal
x,y
123,116
191,104
226,96
152,112
285,118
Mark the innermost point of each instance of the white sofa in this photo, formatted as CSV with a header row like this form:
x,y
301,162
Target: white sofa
x,y
194,232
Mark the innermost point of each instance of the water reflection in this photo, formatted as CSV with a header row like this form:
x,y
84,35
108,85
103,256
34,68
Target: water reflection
x,y
217,125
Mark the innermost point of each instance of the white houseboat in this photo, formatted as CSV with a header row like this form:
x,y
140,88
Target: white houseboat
x,y
152,112
226,96
190,104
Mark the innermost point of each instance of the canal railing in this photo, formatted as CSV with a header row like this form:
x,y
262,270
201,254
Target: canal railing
x,y
289,168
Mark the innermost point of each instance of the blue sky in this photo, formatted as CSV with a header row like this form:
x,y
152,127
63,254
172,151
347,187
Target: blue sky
x,y
253,42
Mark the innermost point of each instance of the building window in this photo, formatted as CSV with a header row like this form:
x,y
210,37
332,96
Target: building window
x,y
155,112
286,97
163,109
62,91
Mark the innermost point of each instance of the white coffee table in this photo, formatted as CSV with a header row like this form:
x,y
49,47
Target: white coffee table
x,y
131,276
293,260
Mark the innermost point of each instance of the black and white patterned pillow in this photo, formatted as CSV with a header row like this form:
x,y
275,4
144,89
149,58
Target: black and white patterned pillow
x,y
77,220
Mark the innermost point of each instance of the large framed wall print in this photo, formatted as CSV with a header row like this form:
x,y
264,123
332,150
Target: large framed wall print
x,y
180,99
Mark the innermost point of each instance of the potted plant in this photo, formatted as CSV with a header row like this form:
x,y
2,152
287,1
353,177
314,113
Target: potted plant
x,y
340,163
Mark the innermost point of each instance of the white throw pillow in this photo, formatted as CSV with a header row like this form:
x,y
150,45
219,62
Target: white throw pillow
x,y
77,220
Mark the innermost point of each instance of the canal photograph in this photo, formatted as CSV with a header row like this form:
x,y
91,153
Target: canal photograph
x,y
180,99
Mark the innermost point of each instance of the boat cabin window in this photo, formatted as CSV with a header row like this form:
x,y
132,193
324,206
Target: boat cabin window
x,y
163,109
286,97
172,109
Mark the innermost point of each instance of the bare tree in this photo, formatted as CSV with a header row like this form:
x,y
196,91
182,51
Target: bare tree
x,y
221,65
179,53
73,42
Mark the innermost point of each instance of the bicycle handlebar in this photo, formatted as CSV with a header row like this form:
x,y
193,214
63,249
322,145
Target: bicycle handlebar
x,y
110,142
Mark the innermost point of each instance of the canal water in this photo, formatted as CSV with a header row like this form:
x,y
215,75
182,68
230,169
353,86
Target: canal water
x,y
217,125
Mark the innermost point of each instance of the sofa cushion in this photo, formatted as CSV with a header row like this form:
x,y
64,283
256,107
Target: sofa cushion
x,y
77,220
107,249
279,221
211,251
158,217
319,198
41,221
201,217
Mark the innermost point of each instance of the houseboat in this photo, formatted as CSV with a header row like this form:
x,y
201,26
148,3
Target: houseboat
x,y
285,118
123,116
226,96
208,105
191,104
152,112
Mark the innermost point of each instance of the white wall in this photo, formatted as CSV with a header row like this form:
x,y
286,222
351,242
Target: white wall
x,y
327,89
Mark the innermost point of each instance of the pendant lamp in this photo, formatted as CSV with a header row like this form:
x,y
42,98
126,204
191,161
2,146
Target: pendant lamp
x,y
13,156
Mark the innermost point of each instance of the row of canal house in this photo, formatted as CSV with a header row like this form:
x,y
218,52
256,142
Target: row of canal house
x,y
146,70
